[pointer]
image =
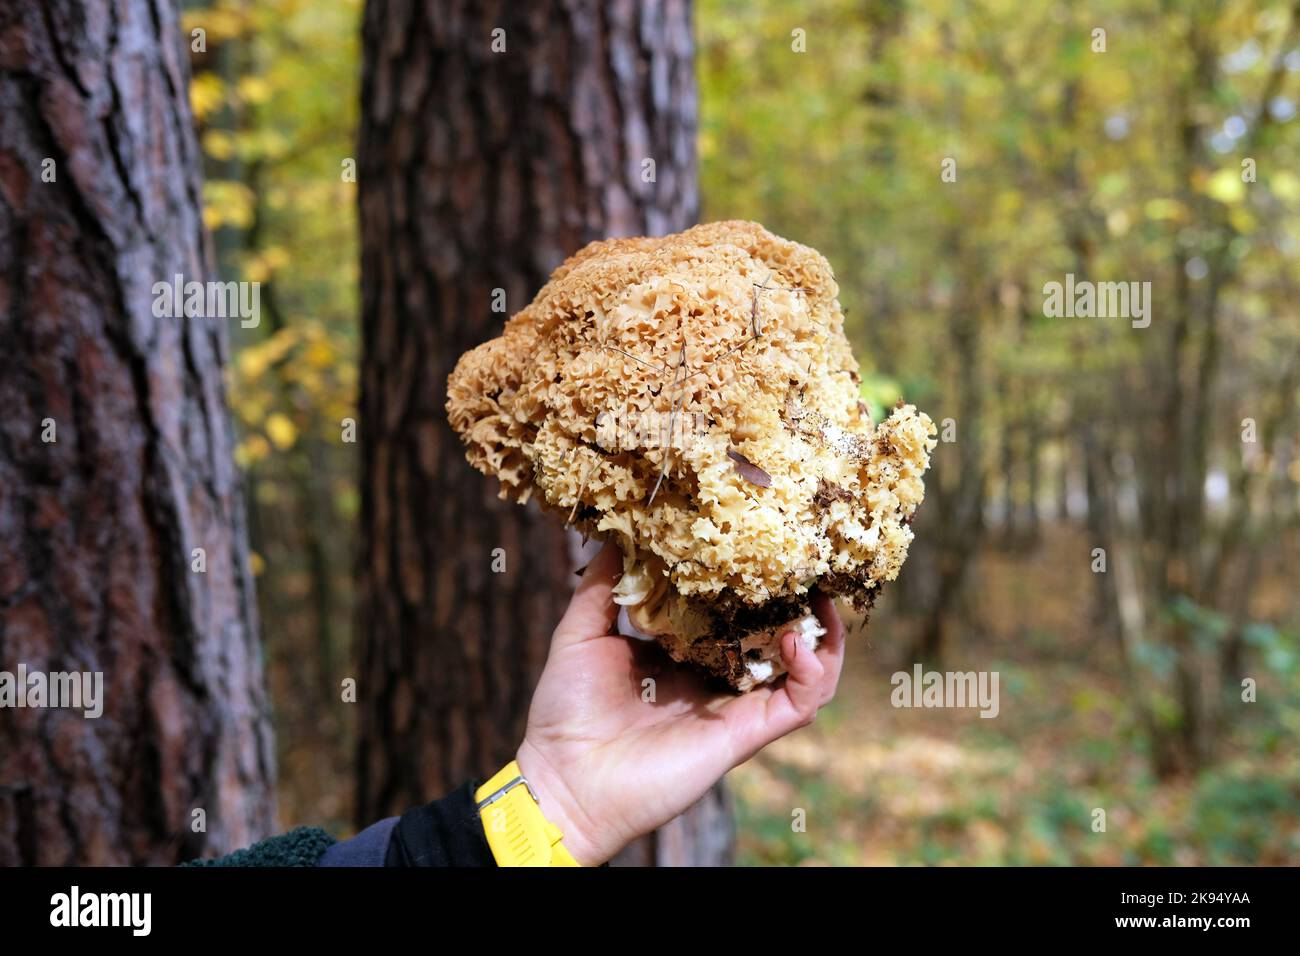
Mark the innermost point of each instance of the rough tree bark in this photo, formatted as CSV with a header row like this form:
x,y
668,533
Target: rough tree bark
x,y
115,459
496,139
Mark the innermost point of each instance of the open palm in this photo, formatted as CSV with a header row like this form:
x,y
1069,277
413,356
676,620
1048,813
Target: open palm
x,y
620,739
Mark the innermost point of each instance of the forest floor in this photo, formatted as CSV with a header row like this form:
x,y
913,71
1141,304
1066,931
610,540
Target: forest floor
x,y
880,785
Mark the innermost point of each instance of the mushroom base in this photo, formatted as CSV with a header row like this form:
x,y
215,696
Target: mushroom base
x,y
746,662
738,643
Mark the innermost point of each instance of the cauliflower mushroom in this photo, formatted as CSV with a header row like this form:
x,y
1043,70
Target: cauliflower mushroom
x,y
694,398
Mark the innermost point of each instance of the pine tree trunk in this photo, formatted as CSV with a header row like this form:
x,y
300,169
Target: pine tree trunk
x,y
115,460
496,139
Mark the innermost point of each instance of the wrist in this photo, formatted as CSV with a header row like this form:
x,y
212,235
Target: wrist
x,y
559,806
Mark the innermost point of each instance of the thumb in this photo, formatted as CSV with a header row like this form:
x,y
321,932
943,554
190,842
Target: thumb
x,y
592,611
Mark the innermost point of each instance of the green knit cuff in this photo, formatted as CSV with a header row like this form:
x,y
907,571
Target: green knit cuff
x,y
301,846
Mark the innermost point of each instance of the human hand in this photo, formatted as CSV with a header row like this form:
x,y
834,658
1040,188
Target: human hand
x,y
608,765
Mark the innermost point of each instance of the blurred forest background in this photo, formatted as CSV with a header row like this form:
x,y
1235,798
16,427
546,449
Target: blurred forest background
x,y
1165,150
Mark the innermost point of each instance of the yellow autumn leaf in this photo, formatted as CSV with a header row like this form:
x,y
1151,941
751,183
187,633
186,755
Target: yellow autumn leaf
x,y
250,408
281,430
218,144
281,343
1226,186
1157,209
207,92
1242,220
217,23
320,354
1285,185
253,361
225,202
276,256
257,270
265,143
251,451
707,144
262,266
254,89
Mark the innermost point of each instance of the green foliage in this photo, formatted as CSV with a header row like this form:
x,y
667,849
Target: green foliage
x,y
1278,648
1242,816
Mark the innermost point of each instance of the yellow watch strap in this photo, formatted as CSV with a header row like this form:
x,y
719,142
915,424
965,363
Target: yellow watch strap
x,y
516,830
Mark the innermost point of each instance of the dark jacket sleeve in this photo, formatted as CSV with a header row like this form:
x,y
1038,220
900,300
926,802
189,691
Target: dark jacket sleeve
x,y
446,832
303,846
367,848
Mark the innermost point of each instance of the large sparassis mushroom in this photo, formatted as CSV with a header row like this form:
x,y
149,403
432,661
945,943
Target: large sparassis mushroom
x,y
694,398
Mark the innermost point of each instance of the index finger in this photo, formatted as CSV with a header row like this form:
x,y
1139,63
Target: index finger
x,y
592,611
